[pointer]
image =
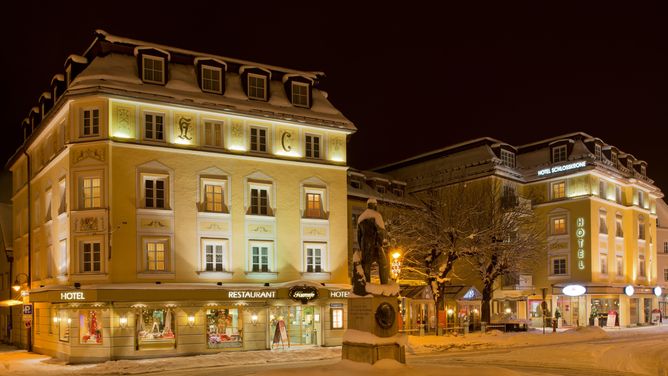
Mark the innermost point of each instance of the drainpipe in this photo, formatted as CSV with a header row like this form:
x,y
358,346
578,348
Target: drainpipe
x,y
25,152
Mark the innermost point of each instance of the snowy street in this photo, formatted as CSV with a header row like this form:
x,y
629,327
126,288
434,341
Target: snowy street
x,y
588,351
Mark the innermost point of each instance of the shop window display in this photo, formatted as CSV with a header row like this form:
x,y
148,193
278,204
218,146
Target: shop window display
x,y
223,329
90,327
63,326
154,329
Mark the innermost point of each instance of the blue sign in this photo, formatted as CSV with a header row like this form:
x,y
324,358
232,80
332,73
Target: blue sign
x,y
27,309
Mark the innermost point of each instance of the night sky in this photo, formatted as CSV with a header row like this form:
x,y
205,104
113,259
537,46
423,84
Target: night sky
x,y
412,80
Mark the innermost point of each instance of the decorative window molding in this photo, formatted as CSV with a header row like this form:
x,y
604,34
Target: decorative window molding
x,y
90,122
157,255
559,225
312,146
154,127
603,221
155,186
603,262
90,255
256,202
619,226
215,255
315,258
212,133
559,266
261,256
214,194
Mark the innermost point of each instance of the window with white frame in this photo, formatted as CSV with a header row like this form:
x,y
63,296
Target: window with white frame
x,y
91,192
258,139
154,126
213,133
641,199
215,255
558,189
153,69
62,187
337,317
212,79
558,225
641,263
643,170
619,260
602,188
559,153
155,192
261,254
508,158
90,257
260,199
314,254
603,262
91,122
559,265
213,195
641,228
300,94
312,146
313,205
156,254
257,86
47,205
619,230
602,222
597,151
618,194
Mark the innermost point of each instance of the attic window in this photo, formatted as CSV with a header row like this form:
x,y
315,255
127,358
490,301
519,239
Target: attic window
x,y
153,69
559,153
257,86
300,95
508,158
643,170
629,164
355,184
597,151
211,79
613,157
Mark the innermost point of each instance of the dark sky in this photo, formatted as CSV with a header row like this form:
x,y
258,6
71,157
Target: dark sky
x,y
413,77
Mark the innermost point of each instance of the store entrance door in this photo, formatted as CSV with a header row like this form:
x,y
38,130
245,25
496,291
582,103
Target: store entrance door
x,y
301,323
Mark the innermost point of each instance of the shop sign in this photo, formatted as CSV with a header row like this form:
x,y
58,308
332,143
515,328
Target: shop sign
x,y
251,294
562,168
72,295
339,294
658,291
574,290
303,294
629,290
580,234
27,309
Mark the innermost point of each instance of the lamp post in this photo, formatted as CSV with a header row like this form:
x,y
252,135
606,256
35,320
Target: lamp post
x,y
395,264
16,286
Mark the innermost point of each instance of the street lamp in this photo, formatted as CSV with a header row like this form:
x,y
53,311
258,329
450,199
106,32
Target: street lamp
x,y
17,284
396,264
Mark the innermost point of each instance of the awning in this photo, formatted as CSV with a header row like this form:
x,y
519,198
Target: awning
x,y
10,302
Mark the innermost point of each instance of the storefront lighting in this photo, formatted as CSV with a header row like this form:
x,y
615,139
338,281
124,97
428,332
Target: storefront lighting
x,y
254,318
55,319
191,320
25,293
629,290
450,311
508,311
475,311
658,291
69,321
123,321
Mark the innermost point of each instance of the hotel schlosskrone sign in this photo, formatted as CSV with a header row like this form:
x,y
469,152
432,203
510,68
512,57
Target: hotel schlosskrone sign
x,y
562,168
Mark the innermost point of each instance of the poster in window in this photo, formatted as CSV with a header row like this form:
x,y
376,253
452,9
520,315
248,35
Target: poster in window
x,y
223,328
90,327
154,329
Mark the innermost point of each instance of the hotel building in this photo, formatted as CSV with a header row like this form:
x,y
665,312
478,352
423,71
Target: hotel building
x,y
599,210
172,202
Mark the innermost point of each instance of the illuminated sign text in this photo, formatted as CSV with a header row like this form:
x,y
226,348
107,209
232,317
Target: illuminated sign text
x,y
555,169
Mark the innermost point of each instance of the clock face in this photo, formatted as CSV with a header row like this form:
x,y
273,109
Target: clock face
x,y
385,315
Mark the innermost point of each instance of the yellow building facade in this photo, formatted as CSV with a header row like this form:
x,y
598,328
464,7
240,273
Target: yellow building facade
x,y
171,202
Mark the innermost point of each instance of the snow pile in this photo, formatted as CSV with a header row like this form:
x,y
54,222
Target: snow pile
x,y
358,336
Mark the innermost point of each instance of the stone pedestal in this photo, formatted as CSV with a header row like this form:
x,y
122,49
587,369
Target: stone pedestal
x,y
372,330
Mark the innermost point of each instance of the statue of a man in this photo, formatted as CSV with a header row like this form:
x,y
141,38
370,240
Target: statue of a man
x,y
370,237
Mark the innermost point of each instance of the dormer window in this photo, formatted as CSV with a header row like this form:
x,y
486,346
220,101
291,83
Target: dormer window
x,y
597,151
613,158
211,79
153,69
559,153
508,158
629,164
300,95
257,86
643,170
355,184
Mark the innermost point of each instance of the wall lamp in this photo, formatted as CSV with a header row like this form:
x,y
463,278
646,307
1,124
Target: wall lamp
x,y
191,320
254,318
123,321
17,283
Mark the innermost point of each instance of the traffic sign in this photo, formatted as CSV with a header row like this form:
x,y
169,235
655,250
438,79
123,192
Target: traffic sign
x,y
27,309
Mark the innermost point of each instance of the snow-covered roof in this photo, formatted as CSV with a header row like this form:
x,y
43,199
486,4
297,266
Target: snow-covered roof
x,y
290,75
45,95
77,59
209,58
57,77
243,68
140,48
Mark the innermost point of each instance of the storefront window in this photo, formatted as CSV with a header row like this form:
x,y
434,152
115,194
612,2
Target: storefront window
x,y
299,323
337,317
600,308
223,328
90,327
154,329
64,326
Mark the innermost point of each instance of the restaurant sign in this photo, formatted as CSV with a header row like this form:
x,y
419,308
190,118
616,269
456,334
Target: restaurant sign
x,y
303,294
251,294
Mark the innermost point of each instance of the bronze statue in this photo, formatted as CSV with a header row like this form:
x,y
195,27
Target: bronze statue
x,y
370,237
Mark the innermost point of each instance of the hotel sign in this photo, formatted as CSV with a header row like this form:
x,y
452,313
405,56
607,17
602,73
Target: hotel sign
x,y
251,294
72,295
562,168
580,234
339,293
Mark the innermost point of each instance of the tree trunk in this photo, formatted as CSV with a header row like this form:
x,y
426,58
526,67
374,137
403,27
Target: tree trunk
x,y
485,309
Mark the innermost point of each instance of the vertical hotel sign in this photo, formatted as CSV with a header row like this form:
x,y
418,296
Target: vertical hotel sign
x,y
580,234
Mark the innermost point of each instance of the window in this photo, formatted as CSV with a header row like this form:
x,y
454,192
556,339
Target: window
x,y
508,158
603,263
613,157
300,94
641,199
62,259
91,193
355,184
215,255
211,79
158,332
665,275
91,257
618,194
597,151
91,122
665,247
602,222
380,189
213,134
259,200
223,328
641,263
559,266
155,192
315,254
260,252
558,189
153,69
258,141
643,170
154,127
641,230
313,205
257,86
559,226
398,192
602,189
619,232
337,318
47,205
312,145
90,327
156,255
619,259
213,198
559,153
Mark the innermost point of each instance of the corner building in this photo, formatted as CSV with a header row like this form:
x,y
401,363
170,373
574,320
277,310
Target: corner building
x,y
599,210
177,202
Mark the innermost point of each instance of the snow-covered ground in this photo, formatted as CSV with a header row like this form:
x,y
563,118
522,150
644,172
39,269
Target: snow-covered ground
x,y
640,351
